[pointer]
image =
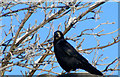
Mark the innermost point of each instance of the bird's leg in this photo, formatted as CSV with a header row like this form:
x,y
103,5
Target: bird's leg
x,y
69,71
63,72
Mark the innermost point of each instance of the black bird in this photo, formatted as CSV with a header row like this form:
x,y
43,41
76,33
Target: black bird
x,y
68,58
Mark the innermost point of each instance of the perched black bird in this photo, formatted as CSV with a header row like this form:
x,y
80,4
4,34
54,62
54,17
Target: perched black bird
x,y
68,58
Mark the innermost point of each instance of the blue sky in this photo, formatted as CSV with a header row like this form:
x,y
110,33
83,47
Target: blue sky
x,y
110,13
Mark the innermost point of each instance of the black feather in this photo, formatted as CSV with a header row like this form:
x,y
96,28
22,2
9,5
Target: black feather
x,y
68,58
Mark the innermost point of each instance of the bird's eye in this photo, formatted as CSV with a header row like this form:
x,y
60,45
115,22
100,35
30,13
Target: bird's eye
x,y
58,34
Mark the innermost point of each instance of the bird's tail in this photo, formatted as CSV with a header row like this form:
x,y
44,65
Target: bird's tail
x,y
89,68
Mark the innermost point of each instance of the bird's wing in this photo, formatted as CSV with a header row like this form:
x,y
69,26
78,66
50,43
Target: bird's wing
x,y
71,51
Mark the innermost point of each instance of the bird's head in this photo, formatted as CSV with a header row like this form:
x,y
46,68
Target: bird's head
x,y
58,35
